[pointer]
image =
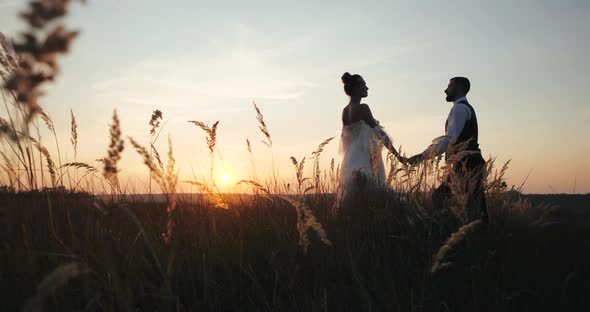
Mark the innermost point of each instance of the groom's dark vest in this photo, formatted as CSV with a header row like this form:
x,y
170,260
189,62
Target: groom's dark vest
x,y
468,134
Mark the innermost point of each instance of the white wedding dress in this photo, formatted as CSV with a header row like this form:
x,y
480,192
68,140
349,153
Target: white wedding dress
x,y
361,155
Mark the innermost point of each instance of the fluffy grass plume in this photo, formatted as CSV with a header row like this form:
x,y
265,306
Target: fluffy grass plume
x,y
439,262
58,278
306,221
74,133
114,151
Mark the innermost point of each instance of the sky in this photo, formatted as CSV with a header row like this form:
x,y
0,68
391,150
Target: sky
x,y
209,60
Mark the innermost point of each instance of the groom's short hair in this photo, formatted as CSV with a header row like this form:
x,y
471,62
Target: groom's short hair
x,y
463,82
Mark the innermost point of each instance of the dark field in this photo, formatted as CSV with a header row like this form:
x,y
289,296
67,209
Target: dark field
x,y
247,257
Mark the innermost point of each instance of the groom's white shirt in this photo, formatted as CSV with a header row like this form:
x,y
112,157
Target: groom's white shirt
x,y
458,116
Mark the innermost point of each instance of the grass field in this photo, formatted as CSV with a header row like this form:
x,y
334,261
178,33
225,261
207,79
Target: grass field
x,y
248,257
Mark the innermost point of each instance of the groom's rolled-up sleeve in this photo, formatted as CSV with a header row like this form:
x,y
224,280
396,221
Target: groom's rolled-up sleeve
x,y
458,116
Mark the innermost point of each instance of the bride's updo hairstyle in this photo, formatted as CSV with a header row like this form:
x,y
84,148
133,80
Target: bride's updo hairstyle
x,y
351,83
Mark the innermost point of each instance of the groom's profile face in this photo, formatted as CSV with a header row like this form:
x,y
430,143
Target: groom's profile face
x,y
451,91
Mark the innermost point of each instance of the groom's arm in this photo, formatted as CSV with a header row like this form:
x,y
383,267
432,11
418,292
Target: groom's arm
x,y
458,116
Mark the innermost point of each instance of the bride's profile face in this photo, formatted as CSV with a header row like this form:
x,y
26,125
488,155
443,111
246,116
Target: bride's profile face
x,y
361,88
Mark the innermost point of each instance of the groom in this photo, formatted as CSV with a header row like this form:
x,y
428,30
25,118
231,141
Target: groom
x,y
461,148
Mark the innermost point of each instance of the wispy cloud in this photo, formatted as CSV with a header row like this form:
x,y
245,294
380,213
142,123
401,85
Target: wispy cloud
x,y
245,67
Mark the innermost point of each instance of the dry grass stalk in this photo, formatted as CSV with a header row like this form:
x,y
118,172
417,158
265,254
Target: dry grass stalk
x,y
496,183
321,147
306,221
9,169
299,166
148,160
262,126
51,126
211,133
157,156
255,184
46,119
453,241
333,175
50,164
166,179
80,165
74,133
171,179
211,139
316,154
8,58
116,147
7,130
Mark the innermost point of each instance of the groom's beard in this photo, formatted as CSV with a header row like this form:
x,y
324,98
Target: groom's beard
x,y
450,98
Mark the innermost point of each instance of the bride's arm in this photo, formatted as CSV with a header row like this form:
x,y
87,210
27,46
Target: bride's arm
x,y
367,116
387,142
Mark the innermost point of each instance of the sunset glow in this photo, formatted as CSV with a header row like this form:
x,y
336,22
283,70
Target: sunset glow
x,y
225,178
238,53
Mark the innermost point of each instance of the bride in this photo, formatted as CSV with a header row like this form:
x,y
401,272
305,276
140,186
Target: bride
x,y
361,141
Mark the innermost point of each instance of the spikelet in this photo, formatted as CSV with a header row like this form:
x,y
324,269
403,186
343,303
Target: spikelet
x,y
74,133
496,183
454,240
45,117
333,176
211,133
80,165
37,53
155,121
8,58
316,164
255,184
114,151
321,147
50,164
299,171
148,160
306,221
262,126
8,130
157,156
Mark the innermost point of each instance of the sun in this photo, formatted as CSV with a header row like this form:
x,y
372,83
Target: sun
x,y
225,178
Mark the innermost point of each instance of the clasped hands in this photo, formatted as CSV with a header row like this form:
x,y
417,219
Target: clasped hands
x,y
412,161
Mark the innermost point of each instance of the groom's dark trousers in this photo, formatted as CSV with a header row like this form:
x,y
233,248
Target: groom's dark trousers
x,y
470,170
